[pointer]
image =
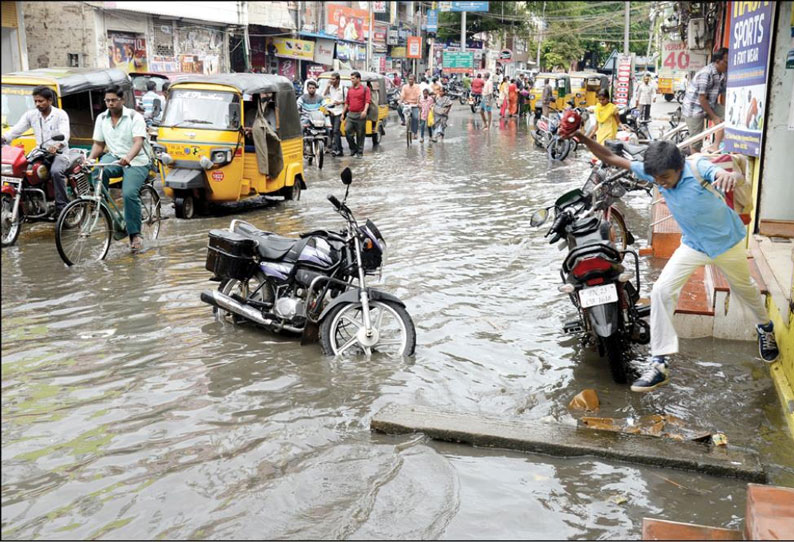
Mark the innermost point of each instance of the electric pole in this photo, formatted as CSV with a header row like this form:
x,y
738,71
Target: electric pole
x,y
626,29
540,37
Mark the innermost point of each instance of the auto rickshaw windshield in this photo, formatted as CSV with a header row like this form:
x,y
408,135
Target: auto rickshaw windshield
x,y
205,109
17,99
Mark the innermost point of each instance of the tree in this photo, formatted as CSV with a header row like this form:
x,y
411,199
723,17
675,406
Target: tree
x,y
501,16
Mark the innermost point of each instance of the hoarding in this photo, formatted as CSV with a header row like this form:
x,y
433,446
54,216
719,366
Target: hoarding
x,y
748,64
292,48
414,46
463,6
623,83
346,23
457,61
127,52
432,20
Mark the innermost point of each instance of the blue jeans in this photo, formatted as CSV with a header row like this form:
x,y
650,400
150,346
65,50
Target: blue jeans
x,y
422,126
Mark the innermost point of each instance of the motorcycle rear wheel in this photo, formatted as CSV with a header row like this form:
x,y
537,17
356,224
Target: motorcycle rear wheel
x,y
616,354
559,148
245,290
10,229
396,332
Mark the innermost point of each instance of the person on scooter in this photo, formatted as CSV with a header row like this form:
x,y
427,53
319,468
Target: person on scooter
x,y
47,120
712,233
309,101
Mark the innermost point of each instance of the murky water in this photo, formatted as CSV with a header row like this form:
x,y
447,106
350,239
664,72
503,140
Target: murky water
x,y
129,412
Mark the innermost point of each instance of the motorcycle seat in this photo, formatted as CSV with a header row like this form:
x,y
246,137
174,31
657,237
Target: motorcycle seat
x,y
584,226
271,246
617,146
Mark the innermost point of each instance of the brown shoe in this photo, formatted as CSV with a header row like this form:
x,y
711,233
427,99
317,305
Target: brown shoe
x,y
136,244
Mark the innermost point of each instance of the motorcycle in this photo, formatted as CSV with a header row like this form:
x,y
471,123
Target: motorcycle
x,y
28,193
315,137
307,285
545,136
593,272
393,98
475,101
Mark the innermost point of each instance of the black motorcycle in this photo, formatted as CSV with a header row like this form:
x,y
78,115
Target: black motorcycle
x,y
475,102
316,130
313,285
545,136
593,272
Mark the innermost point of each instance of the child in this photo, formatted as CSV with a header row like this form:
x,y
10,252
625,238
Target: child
x,y
425,103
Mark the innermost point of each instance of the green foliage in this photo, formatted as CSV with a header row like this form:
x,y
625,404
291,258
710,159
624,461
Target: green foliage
x,y
509,16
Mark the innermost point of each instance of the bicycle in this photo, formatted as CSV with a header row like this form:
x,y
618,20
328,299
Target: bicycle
x,y
408,121
95,219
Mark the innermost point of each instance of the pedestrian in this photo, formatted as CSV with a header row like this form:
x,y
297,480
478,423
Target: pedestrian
x,y
441,115
425,104
646,95
355,111
487,101
504,97
436,87
410,96
546,97
336,96
425,84
712,234
607,118
46,120
147,101
121,133
700,98
512,92
162,100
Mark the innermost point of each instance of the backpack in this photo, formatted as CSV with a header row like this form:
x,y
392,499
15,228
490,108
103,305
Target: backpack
x,y
740,199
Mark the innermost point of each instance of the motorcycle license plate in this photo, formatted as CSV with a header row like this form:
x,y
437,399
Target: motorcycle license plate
x,y
598,295
10,180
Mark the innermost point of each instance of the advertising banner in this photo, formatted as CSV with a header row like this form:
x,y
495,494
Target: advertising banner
x,y
287,68
393,36
463,6
292,48
346,23
623,82
748,64
379,7
379,35
414,47
127,52
324,51
399,52
432,20
164,64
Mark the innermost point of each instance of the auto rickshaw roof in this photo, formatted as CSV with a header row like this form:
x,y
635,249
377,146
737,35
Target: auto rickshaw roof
x,y
345,74
247,83
70,80
551,75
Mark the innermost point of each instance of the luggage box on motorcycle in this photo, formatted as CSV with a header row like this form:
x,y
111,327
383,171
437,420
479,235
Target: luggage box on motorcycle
x,y
230,255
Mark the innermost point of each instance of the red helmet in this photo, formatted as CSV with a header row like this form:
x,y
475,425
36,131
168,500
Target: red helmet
x,y
570,122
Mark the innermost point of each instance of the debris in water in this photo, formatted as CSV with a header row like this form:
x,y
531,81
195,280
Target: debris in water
x,y
655,425
719,439
586,400
619,499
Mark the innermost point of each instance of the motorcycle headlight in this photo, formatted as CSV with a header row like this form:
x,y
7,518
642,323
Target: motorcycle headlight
x,y
8,169
42,172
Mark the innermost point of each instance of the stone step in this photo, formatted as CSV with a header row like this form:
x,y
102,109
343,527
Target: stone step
x,y
660,529
770,513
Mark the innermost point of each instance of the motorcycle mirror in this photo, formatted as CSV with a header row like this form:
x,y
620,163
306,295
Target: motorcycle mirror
x,y
539,217
347,176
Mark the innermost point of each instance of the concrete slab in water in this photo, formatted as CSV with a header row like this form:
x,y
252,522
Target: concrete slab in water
x,y
566,441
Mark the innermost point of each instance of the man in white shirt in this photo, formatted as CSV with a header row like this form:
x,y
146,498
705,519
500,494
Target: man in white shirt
x,y
47,121
646,95
334,93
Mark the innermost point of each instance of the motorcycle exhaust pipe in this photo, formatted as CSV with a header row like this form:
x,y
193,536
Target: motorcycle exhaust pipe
x,y
227,303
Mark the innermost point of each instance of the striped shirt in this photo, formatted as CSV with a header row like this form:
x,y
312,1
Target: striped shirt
x,y
707,81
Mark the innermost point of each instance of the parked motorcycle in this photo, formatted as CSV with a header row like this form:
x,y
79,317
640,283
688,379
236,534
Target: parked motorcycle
x,y
307,285
315,137
28,193
393,97
545,136
593,272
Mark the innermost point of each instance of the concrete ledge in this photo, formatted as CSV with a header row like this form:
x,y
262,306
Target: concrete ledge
x,y
566,441
770,513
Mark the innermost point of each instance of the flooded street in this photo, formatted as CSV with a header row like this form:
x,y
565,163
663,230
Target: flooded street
x,y
128,411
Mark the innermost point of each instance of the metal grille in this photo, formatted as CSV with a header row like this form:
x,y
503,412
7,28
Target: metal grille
x,y
163,40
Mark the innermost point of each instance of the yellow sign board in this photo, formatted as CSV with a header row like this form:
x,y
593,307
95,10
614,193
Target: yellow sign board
x,y
292,48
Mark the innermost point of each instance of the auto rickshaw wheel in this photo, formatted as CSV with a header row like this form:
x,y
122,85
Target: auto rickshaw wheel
x,y
183,205
292,192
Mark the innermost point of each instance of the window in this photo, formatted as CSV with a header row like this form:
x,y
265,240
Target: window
x,y
203,109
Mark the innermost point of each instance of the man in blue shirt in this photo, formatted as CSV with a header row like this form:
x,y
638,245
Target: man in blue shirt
x,y
712,233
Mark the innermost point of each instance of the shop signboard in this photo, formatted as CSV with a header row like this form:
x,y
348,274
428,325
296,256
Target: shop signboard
x,y
393,37
127,52
677,61
399,52
164,64
324,51
379,7
414,47
379,35
463,6
748,65
458,61
292,48
287,67
623,83
432,20
346,23
314,71
505,55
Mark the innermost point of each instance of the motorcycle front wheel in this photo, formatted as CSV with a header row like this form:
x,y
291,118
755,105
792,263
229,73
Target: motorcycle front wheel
x,y
11,229
319,153
342,331
559,148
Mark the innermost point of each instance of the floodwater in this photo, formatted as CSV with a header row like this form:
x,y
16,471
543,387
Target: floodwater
x,y
128,411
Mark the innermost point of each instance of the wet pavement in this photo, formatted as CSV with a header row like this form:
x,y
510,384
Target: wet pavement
x,y
129,412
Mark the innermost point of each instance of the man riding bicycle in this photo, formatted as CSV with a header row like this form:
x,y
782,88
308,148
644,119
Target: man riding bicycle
x,y
121,132
409,97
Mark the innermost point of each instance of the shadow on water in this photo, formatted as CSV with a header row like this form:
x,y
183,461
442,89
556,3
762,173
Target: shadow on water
x,y
130,412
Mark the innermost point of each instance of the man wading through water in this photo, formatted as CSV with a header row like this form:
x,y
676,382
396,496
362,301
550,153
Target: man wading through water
x,y
712,233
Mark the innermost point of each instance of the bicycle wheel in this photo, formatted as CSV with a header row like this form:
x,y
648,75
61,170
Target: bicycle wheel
x,y
408,135
83,232
150,213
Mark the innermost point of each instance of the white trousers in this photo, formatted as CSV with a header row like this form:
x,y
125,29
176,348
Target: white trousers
x,y
685,261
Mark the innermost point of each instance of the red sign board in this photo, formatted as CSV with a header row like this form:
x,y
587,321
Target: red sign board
x,y
414,47
623,83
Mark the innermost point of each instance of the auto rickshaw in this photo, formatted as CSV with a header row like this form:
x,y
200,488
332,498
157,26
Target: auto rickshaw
x,y
79,91
585,86
378,88
560,83
203,142
139,80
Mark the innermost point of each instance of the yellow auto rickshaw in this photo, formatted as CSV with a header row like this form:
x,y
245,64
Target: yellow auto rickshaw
x,y
585,87
561,85
203,141
377,85
79,91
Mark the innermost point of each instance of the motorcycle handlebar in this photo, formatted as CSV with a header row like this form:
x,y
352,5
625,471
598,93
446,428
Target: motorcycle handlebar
x,y
335,202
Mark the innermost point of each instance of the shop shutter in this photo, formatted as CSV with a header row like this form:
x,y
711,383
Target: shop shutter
x,y
163,37
9,14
